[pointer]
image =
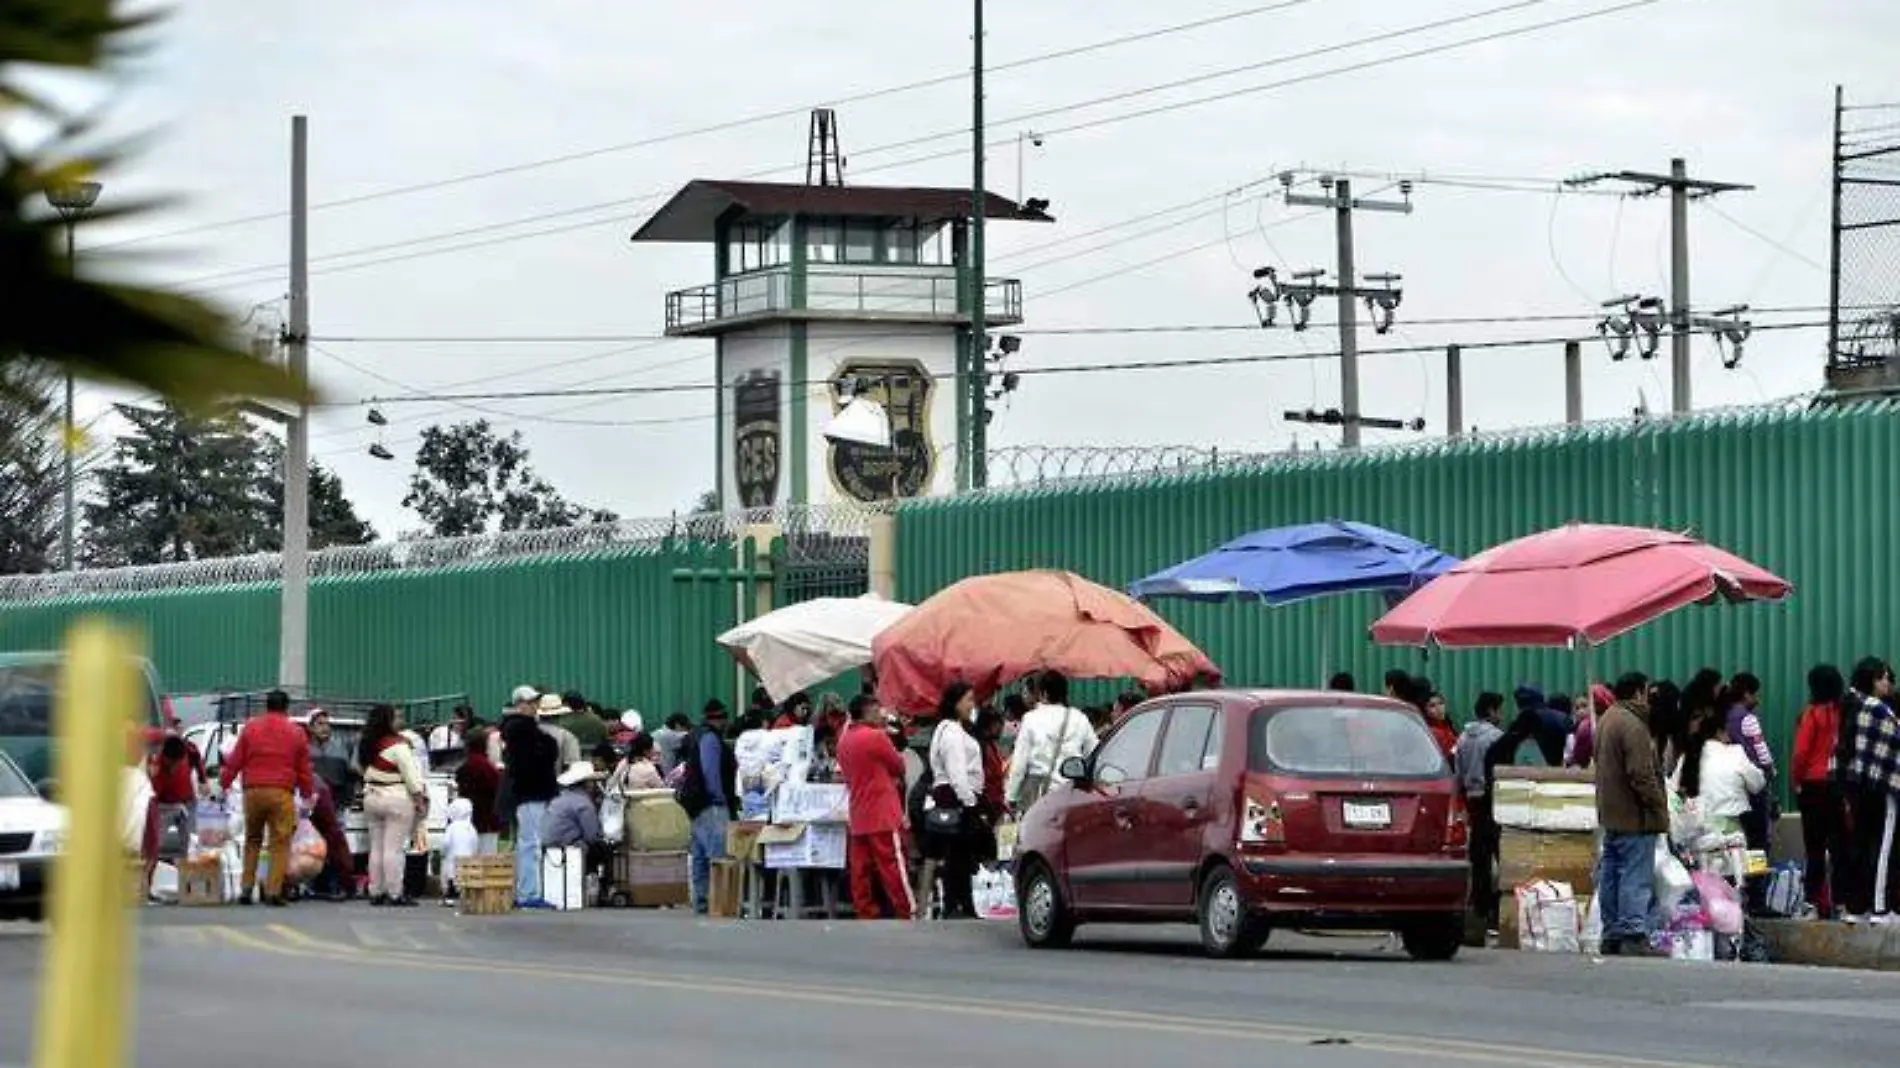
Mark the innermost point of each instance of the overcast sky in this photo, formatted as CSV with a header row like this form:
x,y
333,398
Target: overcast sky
x,y
424,90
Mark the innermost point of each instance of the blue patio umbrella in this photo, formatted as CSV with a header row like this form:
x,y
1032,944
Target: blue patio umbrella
x,y
1313,560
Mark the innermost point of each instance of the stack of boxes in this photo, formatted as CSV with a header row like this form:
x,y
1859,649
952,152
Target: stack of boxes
x,y
1548,822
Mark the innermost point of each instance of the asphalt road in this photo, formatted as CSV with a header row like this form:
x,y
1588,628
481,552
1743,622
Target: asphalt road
x,y
323,986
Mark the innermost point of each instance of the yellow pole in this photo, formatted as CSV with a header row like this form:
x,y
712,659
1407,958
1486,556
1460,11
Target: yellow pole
x,y
85,999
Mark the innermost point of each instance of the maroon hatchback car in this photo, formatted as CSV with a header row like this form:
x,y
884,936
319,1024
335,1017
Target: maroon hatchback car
x,y
1244,811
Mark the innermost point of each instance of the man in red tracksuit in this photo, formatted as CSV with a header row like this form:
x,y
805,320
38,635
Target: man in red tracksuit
x,y
273,756
873,771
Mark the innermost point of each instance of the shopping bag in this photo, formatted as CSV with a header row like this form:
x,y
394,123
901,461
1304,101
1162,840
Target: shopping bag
x,y
1006,836
1785,890
308,852
1547,919
994,893
1672,882
214,824
564,877
1721,902
1692,944
613,817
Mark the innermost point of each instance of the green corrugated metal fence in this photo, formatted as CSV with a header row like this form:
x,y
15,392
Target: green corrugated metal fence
x,y
615,624
1805,494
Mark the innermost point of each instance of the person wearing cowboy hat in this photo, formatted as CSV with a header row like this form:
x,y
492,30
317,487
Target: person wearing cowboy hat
x,y
550,710
572,818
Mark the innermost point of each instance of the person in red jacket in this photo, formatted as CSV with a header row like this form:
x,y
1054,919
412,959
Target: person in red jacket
x,y
1823,809
873,772
273,757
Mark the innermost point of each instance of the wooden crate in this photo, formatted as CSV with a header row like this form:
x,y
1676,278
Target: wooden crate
x,y
486,884
650,880
723,896
201,881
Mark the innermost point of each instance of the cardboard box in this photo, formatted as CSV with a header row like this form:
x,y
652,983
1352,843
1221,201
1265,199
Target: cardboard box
x,y
1558,856
810,803
815,845
201,880
742,839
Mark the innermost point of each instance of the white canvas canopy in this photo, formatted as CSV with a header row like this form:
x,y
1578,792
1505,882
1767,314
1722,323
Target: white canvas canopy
x,y
804,644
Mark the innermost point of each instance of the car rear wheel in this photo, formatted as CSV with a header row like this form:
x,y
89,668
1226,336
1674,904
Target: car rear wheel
x,y
1044,917
1435,938
1228,929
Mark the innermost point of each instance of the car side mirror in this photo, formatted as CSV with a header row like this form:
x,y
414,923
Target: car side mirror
x,y
46,788
1076,770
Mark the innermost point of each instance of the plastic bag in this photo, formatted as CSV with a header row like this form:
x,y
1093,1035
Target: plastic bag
x,y
1720,901
1591,940
1691,944
1547,920
1686,826
1672,882
613,817
994,893
214,824
1785,890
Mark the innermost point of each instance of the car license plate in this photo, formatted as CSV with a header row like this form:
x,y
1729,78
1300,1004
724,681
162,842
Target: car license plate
x,y
9,877
1368,814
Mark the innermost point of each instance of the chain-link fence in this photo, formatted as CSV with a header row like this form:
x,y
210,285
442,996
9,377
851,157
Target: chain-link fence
x,y
827,533
1866,286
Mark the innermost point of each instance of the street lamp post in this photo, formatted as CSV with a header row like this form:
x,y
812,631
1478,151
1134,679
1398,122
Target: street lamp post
x,y
72,201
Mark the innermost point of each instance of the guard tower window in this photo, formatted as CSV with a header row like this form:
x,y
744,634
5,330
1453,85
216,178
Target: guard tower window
x,y
755,245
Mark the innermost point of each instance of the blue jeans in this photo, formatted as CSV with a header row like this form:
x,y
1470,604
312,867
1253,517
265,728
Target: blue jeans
x,y
1626,884
528,850
709,844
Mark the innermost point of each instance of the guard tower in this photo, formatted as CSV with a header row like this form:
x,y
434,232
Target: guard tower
x,y
822,290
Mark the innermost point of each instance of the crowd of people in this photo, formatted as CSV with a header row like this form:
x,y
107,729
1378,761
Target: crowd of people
x,y
1656,749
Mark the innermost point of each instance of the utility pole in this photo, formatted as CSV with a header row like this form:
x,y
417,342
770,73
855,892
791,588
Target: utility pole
x,y
973,445
294,623
1573,382
1682,189
1348,316
1454,391
1385,300
72,200
1834,242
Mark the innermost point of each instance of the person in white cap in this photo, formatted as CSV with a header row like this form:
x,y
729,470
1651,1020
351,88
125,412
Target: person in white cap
x,y
525,701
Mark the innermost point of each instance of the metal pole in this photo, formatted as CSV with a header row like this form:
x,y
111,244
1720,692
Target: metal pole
x,y
1834,245
293,626
1348,316
1019,166
1573,382
1454,391
66,555
1681,399
974,431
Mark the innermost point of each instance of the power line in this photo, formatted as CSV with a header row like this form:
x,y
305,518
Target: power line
x,y
1518,31
1044,331
732,124
1088,368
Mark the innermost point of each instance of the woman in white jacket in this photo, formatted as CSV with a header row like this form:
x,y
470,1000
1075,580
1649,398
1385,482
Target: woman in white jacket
x,y
1719,776
956,768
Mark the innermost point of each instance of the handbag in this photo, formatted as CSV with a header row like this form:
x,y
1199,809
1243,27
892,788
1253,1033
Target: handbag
x,y
944,821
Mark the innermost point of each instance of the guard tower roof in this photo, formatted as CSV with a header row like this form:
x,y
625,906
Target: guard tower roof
x,y
693,211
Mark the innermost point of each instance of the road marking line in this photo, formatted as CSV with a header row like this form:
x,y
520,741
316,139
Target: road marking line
x,y
1438,1048
298,938
385,936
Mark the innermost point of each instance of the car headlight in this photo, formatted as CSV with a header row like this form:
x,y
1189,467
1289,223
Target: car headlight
x,y
50,841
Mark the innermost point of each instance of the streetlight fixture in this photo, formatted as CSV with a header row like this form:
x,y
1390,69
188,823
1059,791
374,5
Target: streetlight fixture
x,y
72,200
1033,138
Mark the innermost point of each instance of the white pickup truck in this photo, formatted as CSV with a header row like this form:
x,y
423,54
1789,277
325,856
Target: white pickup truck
x,y
215,740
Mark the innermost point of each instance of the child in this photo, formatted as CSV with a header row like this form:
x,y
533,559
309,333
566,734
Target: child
x,y
463,842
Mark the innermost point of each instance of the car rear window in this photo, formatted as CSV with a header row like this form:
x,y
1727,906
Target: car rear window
x,y
26,700
1343,740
